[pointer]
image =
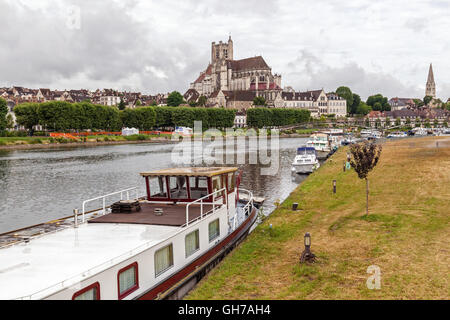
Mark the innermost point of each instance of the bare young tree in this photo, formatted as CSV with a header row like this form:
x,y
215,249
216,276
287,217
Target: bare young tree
x,y
365,158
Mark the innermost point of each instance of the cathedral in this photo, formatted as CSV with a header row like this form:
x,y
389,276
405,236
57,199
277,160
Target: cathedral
x,y
227,77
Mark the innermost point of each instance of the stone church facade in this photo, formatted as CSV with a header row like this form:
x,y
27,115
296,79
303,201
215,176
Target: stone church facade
x,y
226,79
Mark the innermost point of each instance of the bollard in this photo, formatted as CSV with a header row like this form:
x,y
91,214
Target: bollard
x,y
75,214
334,186
294,206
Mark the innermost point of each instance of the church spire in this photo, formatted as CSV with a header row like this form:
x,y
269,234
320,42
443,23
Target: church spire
x,y
430,74
431,86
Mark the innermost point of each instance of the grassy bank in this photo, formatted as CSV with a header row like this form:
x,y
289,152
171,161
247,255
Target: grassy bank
x,y
406,234
24,142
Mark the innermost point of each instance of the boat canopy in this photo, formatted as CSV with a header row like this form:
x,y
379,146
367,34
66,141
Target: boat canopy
x,y
191,172
306,150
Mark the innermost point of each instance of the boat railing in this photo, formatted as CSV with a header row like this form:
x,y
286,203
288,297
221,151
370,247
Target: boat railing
x,y
202,203
104,197
247,209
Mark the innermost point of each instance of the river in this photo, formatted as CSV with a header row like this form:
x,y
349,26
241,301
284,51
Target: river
x,y
42,185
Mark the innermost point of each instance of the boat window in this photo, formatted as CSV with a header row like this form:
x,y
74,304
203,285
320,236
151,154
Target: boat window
x,y
217,183
214,230
158,187
91,292
128,280
231,182
178,187
163,259
199,187
192,243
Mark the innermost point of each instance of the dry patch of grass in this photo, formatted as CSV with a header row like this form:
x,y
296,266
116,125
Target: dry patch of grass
x,y
406,234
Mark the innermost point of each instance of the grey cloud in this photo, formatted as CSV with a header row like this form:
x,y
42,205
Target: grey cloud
x,y
159,46
310,72
109,46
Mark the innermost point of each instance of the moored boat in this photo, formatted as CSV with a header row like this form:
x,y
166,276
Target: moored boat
x,y
398,134
305,161
321,144
151,247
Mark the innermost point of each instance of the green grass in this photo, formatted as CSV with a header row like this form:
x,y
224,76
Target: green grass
x,y
406,234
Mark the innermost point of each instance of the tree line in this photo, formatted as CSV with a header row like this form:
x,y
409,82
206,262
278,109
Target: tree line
x,y
3,112
65,116
274,117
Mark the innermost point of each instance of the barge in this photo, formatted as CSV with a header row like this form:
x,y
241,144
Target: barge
x,y
152,247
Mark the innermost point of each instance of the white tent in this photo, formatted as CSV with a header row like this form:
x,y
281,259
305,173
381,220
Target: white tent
x,y
129,131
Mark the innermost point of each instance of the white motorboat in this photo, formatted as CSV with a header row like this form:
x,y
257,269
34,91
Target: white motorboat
x,y
321,144
420,131
398,134
305,161
366,133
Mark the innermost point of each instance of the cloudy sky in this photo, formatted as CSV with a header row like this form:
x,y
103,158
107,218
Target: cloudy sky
x,y
159,46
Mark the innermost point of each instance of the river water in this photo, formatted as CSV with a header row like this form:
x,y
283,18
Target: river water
x,y
42,185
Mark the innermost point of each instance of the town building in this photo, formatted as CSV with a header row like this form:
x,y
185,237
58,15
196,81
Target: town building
x,y
401,103
316,101
411,117
240,120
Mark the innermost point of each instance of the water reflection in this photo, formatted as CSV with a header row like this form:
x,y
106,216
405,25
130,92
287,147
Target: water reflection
x,y
42,185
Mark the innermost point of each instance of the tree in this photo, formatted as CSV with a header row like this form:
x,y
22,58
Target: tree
x,y
418,103
3,113
427,100
363,109
27,115
175,99
346,93
121,104
9,121
378,103
202,101
356,103
377,106
259,101
365,158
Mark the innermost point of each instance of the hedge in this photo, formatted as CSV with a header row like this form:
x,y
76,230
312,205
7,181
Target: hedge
x,y
274,117
65,116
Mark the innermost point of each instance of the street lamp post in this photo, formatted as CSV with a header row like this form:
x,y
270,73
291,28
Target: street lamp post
x,y
307,255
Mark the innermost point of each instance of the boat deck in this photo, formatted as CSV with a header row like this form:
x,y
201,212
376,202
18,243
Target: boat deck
x,y
173,215
61,259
